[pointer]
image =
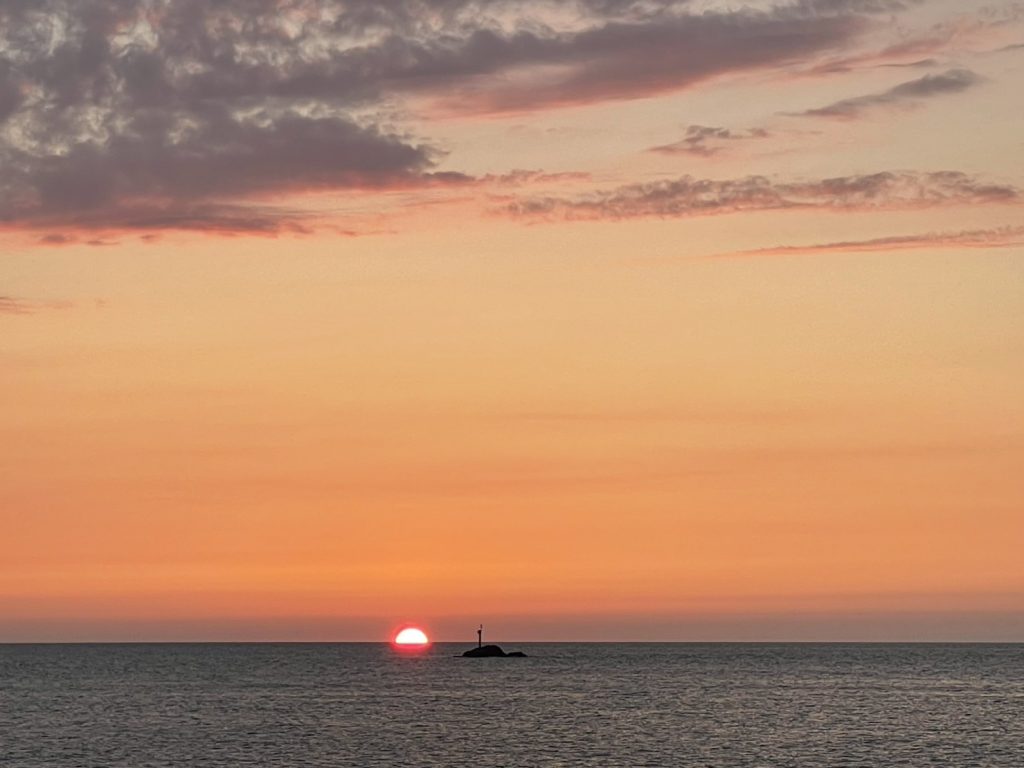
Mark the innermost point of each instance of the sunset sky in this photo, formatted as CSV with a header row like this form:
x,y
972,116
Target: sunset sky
x,y
592,319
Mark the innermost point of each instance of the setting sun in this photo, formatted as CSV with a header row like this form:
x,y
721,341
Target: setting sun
x,y
412,637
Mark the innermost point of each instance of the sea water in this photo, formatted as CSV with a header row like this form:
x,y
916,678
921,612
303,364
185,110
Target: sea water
x,y
299,705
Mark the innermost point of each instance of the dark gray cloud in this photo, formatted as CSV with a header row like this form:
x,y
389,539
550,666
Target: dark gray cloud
x,y
687,196
140,115
623,60
929,86
704,141
10,92
124,112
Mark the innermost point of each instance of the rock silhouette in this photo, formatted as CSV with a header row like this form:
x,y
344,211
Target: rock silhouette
x,y
485,651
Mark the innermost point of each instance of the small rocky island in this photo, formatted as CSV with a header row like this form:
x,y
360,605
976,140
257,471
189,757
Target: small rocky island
x,y
489,651
482,651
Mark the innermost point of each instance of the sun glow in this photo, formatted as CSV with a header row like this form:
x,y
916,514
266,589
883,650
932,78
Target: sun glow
x,y
412,637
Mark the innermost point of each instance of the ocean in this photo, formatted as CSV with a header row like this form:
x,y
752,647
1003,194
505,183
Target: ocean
x,y
306,705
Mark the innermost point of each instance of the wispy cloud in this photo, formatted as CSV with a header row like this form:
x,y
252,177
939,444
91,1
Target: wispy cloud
x,y
927,87
1001,237
519,178
12,306
687,196
704,141
211,218
9,305
973,31
919,64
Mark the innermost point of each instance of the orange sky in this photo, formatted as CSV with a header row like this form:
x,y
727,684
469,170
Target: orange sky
x,y
770,390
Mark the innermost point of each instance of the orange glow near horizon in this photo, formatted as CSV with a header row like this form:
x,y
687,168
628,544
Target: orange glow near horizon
x,y
683,450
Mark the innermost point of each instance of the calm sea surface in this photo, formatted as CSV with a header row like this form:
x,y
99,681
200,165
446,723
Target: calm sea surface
x,y
565,705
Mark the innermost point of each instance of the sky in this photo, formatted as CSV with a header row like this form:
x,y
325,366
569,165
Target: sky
x,y
587,320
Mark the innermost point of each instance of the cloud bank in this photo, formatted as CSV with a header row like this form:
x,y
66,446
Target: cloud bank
x,y
142,114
